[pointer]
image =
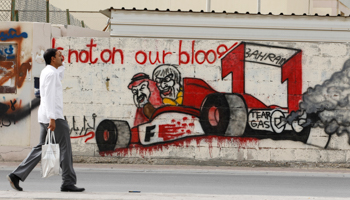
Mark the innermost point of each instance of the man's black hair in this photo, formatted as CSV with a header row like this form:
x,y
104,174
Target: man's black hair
x,y
49,53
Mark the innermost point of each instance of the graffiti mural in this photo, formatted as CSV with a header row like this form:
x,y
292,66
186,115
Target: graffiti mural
x,y
13,71
16,83
151,94
191,107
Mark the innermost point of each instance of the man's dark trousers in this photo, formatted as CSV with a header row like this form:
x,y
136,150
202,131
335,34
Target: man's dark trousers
x,y
63,139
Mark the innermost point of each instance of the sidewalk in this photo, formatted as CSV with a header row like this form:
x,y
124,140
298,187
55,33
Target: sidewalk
x,y
143,167
56,195
143,196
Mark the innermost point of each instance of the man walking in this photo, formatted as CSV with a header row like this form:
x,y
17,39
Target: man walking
x,y
50,116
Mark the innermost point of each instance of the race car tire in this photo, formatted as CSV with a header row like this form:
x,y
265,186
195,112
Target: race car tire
x,y
238,115
111,134
224,114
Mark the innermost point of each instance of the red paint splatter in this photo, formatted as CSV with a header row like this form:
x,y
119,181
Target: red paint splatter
x,y
191,124
188,131
173,121
242,142
170,132
178,123
185,119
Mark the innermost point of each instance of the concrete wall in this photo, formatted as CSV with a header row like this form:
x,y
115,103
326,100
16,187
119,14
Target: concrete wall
x,y
235,100
182,99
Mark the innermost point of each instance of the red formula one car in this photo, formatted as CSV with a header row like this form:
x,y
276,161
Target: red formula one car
x,y
204,112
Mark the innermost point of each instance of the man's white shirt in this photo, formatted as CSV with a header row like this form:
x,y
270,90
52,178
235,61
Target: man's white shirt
x,y
51,94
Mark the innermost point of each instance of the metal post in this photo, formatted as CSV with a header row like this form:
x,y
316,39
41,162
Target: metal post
x,y
16,15
13,7
47,11
82,23
309,10
68,18
208,6
259,3
338,11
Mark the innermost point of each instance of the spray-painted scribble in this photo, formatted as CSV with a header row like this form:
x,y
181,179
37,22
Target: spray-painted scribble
x,y
86,131
13,70
75,130
12,34
11,113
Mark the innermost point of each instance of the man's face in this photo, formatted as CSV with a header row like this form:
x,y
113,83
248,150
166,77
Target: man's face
x,y
166,85
141,94
57,60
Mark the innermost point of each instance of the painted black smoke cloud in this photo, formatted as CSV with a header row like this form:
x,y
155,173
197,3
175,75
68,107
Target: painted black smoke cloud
x,y
328,105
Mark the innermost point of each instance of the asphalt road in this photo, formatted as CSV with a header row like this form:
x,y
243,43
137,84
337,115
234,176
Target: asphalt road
x,y
195,180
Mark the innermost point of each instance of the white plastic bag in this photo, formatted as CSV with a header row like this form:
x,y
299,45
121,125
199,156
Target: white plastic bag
x,y
50,156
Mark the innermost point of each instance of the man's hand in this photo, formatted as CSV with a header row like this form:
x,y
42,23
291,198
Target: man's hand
x,y
52,125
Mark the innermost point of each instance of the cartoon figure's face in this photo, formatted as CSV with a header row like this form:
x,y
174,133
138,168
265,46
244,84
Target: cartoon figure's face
x,y
167,86
141,94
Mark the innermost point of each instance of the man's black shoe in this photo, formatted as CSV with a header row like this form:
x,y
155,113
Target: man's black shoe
x,y
14,181
71,188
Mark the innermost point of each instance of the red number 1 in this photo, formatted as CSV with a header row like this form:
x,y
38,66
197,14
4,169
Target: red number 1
x,y
234,63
